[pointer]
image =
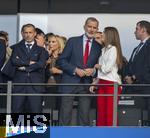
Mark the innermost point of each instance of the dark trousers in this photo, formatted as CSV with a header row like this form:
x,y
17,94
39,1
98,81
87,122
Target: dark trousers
x,y
82,111
27,104
52,102
141,102
147,108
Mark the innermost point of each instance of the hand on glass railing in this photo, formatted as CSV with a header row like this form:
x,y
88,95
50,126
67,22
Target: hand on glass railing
x,y
128,79
93,88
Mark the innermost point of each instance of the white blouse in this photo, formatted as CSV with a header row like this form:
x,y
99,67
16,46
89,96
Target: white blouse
x,y
109,68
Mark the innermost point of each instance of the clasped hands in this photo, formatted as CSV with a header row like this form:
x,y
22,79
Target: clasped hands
x,y
84,72
87,71
130,79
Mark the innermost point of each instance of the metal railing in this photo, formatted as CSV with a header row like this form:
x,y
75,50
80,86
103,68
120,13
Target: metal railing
x,y
10,85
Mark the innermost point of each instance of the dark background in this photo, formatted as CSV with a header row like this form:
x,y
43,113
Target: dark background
x,y
74,6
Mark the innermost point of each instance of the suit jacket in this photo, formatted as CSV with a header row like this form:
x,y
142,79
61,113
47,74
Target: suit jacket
x,y
8,70
72,57
2,57
35,72
140,67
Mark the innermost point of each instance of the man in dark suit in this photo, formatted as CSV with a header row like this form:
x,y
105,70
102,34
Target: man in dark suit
x,y
29,60
138,71
77,64
3,43
2,60
2,54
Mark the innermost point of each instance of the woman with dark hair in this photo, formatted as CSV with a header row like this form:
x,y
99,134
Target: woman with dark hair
x,y
109,63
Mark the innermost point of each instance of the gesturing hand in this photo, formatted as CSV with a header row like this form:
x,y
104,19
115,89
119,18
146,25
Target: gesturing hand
x,y
97,66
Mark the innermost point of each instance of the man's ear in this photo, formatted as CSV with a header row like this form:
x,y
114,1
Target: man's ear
x,y
22,34
35,34
144,30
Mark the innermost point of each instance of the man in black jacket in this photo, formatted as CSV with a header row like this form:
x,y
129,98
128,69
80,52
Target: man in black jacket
x,y
138,71
29,60
2,54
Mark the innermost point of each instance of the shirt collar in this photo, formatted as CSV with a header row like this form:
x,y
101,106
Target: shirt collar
x,y
32,43
145,39
85,38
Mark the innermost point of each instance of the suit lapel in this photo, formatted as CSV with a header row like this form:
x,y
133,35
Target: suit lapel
x,y
80,50
23,47
131,59
140,52
147,43
92,52
33,48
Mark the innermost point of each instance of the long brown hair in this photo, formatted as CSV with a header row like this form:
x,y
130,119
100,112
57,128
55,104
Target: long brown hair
x,y
112,38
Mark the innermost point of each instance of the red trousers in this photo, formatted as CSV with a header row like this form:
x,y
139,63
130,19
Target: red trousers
x,y
105,104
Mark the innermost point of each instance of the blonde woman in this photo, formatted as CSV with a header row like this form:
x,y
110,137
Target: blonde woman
x,y
53,72
55,48
109,63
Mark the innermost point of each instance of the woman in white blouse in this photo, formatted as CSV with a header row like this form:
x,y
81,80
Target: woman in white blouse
x,y
109,63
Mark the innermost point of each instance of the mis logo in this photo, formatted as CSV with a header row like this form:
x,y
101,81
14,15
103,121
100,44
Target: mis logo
x,y
17,124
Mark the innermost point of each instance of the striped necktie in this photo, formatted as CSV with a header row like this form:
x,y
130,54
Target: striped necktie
x,y
29,47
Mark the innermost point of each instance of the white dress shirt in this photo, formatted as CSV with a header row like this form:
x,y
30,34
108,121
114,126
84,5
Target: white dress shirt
x,y
32,43
109,68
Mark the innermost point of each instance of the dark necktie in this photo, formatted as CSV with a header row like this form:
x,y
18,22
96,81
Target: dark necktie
x,y
86,53
137,50
29,47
